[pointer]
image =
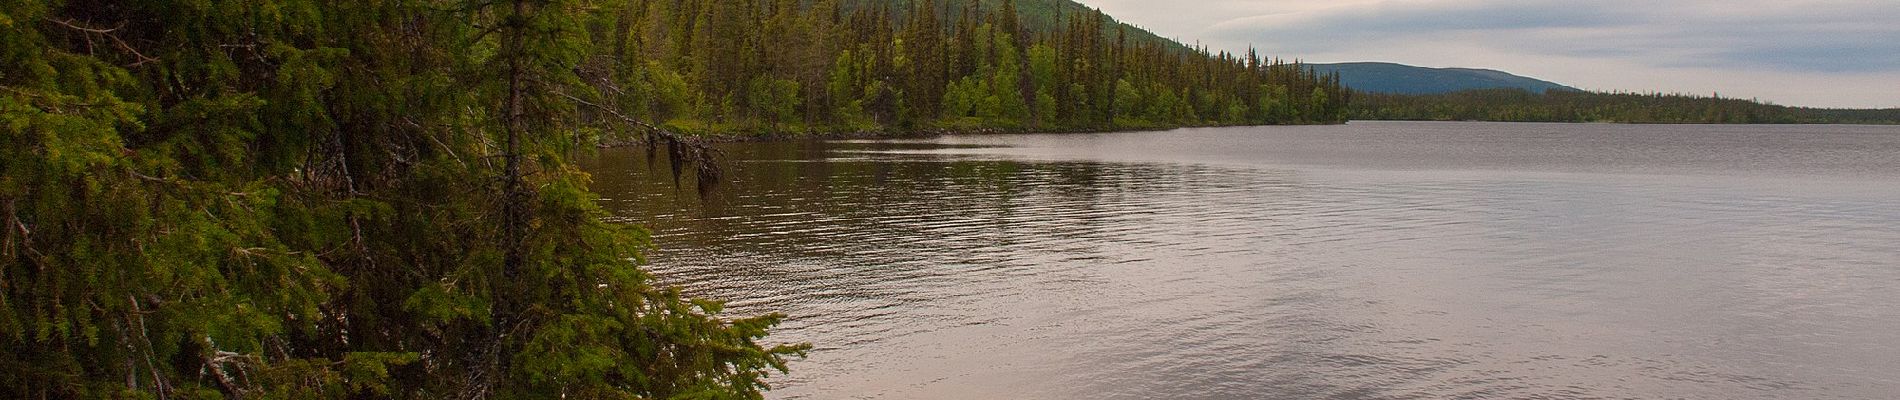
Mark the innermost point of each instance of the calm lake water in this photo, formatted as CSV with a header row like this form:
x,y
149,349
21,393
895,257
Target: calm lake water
x,y
1375,260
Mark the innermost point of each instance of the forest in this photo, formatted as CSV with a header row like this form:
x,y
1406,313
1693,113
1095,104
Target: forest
x,y
1513,105
787,66
304,199
307,199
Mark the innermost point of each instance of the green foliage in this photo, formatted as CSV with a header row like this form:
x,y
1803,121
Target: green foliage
x,y
311,199
775,99
1511,105
900,65
1128,101
305,199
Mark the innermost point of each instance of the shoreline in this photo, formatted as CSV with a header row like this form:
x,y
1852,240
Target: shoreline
x,y
1614,122
916,134
787,136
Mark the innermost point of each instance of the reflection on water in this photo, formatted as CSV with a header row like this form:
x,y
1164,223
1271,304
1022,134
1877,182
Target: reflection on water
x,y
1384,260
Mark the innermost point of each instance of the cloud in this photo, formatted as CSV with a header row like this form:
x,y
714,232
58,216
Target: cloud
x,y
1837,53
1421,17
1840,37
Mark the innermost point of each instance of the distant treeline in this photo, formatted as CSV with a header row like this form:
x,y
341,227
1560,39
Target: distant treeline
x,y
794,66
1514,105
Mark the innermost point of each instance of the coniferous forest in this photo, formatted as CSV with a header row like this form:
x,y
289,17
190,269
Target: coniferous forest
x,y
790,66
1513,105
308,199
317,199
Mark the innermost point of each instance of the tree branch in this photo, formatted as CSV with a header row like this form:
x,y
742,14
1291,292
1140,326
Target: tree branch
x,y
108,33
681,148
158,381
11,226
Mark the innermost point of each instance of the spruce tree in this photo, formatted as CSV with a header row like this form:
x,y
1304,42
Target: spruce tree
x,y
321,200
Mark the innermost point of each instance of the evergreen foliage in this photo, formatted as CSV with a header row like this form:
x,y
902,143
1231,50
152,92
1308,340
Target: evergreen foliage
x,y
310,199
779,66
1512,105
317,199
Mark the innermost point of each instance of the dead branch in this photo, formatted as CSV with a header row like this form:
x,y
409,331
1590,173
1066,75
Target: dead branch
x,y
108,33
158,381
12,227
679,147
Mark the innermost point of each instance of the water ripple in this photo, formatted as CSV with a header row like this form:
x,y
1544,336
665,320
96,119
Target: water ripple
x,y
1130,266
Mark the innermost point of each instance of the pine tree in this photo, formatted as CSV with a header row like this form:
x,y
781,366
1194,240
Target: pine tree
x,y
315,200
924,53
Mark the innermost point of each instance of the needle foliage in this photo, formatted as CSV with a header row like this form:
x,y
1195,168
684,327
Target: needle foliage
x,y
315,199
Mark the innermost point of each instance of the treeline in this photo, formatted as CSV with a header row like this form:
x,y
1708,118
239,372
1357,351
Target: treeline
x,y
315,199
1514,105
302,199
880,66
1033,16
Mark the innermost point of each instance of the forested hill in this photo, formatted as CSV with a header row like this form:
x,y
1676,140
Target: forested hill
x,y
1373,77
955,65
1036,16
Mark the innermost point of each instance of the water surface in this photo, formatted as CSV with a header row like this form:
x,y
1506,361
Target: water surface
x,y
1365,261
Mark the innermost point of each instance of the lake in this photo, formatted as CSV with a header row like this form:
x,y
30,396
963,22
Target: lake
x,y
1374,260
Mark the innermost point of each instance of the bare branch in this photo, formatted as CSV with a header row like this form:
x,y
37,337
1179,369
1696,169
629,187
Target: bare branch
x,y
681,149
108,33
12,226
158,381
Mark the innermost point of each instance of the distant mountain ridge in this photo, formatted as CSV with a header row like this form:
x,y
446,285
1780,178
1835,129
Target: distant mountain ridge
x,y
1379,77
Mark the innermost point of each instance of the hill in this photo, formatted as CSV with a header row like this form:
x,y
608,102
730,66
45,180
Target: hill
x,y
1037,16
1375,77
902,66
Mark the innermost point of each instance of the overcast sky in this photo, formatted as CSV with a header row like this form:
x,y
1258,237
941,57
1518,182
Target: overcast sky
x,y
1824,53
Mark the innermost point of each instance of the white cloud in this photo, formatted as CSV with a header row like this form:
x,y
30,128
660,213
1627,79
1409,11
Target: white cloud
x,y
1835,53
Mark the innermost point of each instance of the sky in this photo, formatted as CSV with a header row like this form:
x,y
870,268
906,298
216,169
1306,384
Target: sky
x,y
1816,53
